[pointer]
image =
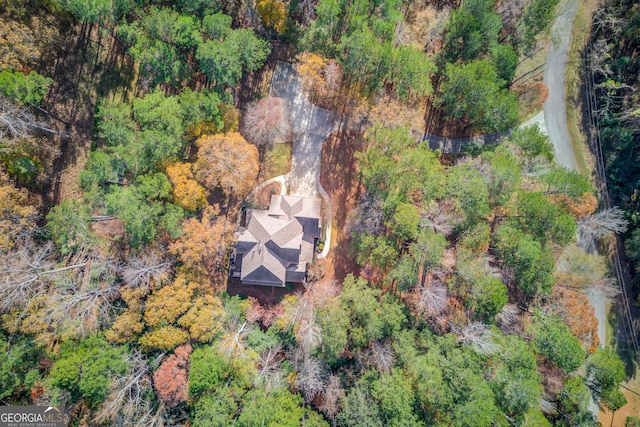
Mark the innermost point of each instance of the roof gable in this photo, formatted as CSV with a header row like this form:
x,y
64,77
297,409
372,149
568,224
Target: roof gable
x,y
263,276
278,239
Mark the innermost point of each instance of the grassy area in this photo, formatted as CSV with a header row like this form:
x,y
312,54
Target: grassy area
x,y
609,331
277,161
581,29
528,77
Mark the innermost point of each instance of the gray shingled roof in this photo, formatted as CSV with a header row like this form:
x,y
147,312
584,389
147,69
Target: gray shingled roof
x,y
278,243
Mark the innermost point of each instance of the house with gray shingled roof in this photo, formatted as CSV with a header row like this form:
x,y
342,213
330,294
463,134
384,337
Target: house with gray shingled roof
x,y
277,244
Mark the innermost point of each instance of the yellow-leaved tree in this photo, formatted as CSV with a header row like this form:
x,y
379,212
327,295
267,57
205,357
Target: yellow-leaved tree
x,y
17,216
227,161
321,76
186,190
186,309
273,14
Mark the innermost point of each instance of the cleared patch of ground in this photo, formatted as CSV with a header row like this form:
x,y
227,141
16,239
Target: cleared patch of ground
x,y
632,408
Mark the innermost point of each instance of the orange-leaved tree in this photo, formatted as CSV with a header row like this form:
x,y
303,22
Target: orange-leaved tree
x,y
204,242
227,161
576,311
170,379
186,190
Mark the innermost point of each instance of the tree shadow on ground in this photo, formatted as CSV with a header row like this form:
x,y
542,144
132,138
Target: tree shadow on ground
x,y
340,177
627,354
90,64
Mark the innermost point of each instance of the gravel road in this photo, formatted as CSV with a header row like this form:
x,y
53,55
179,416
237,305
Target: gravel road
x,y
555,107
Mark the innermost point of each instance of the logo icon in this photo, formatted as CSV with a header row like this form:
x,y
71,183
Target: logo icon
x,y
32,416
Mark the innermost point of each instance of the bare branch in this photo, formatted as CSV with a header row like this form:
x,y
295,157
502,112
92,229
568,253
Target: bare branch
x,y
380,355
22,274
141,270
14,121
433,299
309,333
598,56
508,317
331,396
270,375
603,223
232,344
479,337
607,19
368,216
267,122
130,399
310,375
308,10
441,217
17,122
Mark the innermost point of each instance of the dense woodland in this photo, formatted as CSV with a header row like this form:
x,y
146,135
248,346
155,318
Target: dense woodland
x,y
613,62
462,300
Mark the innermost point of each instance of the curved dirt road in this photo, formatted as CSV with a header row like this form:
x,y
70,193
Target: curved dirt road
x,y
555,107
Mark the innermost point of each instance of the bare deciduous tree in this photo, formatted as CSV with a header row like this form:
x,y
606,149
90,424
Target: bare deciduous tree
x,y
332,76
310,374
270,375
508,317
479,337
233,344
607,19
441,218
17,122
308,8
87,308
598,56
267,122
603,223
379,355
130,402
368,216
80,299
26,272
21,274
432,296
609,287
546,405
141,270
482,166
331,396
309,333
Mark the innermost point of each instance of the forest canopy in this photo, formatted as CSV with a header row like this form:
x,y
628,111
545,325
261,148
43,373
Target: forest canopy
x,y
136,135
